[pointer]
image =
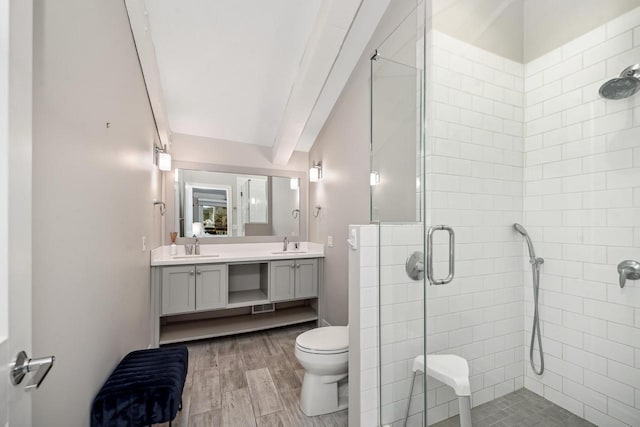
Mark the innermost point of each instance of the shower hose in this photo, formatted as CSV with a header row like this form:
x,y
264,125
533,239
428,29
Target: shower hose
x,y
535,330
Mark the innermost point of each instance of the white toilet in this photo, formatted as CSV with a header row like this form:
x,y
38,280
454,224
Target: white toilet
x,y
324,355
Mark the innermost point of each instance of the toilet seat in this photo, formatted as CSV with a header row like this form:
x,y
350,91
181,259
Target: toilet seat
x,y
327,340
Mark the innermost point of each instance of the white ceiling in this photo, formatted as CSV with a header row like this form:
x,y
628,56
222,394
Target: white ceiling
x,y
227,67
523,30
265,72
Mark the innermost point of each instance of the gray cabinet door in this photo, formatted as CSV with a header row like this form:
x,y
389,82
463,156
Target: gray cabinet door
x,y
306,278
282,280
178,289
211,286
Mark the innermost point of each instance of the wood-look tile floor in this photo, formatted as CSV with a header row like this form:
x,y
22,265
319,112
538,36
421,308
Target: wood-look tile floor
x,y
248,380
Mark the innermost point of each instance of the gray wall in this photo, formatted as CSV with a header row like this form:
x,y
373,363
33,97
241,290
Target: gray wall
x,y
343,193
190,148
395,141
93,188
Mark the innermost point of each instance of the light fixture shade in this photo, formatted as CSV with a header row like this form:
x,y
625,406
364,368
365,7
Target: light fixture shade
x,y
197,228
293,183
374,178
314,174
164,161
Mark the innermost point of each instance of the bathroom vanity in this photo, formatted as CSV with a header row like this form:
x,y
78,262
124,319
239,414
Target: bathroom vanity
x,y
233,288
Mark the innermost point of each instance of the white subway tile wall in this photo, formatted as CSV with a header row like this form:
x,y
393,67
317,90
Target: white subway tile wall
x,y
582,206
369,313
474,175
401,323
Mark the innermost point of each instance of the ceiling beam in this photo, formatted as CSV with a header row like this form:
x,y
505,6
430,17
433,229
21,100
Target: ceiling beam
x,y
324,45
141,29
362,29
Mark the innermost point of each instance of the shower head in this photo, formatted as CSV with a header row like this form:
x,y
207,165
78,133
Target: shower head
x,y
520,229
624,86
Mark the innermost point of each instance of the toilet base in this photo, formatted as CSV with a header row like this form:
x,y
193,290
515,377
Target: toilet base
x,y
320,394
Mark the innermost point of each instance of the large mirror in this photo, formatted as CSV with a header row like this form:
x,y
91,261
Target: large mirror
x,y
226,204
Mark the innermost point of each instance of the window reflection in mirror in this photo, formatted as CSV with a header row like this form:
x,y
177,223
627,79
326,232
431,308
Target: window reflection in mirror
x,y
234,205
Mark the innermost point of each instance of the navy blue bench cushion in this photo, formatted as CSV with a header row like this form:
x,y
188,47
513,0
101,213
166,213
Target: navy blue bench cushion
x,y
144,389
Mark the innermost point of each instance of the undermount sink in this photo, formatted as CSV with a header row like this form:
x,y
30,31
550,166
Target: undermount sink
x,y
195,256
288,252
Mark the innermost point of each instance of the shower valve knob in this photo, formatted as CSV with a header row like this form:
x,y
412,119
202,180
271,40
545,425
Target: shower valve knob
x,y
628,269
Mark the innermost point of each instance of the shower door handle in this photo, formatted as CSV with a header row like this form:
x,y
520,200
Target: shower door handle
x,y
452,254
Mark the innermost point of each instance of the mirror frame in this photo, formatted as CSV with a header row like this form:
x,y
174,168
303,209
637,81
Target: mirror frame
x,y
169,218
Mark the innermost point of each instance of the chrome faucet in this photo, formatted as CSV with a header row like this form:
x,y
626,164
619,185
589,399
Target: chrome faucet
x,y
285,244
197,246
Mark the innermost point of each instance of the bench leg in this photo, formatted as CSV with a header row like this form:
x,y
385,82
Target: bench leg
x,y
406,415
464,402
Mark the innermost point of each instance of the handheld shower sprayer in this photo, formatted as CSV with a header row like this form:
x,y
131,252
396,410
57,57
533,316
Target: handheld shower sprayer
x,y
535,270
532,252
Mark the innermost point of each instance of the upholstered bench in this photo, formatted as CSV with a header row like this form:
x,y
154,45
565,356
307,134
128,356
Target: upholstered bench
x,y
144,389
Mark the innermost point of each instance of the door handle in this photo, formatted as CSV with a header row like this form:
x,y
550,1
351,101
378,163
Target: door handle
x,y
452,254
22,365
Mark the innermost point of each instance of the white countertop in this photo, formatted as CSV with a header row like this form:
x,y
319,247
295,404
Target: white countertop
x,y
235,252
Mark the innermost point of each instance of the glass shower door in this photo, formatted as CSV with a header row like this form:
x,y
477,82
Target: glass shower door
x,y
397,208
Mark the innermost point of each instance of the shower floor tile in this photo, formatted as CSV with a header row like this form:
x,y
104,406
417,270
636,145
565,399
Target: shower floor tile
x,y
521,408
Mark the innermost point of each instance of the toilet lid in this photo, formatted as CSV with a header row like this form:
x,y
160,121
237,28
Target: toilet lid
x,y
328,339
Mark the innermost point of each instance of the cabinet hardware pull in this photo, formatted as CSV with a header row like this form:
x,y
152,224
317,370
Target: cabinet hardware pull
x,y
191,273
293,266
198,272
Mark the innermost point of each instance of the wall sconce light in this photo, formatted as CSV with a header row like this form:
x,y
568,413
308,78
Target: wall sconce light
x,y
294,184
315,172
163,158
374,178
197,229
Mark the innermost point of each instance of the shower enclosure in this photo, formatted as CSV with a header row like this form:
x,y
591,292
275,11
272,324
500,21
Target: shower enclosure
x,y
490,114
397,209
